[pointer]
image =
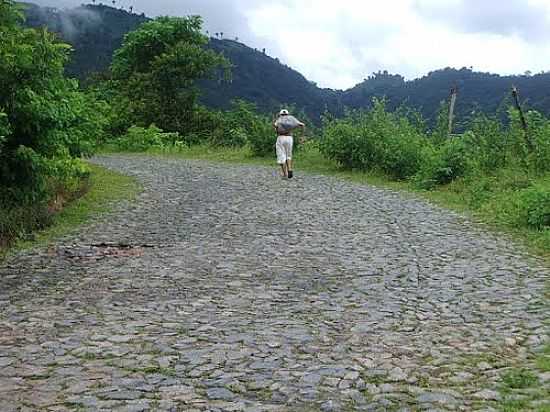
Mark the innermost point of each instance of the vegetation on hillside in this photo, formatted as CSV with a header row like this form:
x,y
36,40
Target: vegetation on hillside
x,y
96,31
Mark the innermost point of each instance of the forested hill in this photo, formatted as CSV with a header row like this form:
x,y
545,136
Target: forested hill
x,y
267,82
95,31
477,91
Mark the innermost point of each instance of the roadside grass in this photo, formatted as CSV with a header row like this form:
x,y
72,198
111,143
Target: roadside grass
x,y
522,390
105,189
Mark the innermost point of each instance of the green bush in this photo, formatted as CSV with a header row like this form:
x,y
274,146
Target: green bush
x,y
261,137
239,126
45,121
234,137
140,139
343,143
54,181
540,136
488,144
444,163
375,139
534,210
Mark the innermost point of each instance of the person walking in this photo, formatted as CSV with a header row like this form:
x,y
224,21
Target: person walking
x,y
284,125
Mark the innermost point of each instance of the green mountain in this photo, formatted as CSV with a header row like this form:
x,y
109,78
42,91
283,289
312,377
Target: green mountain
x,y
95,31
264,80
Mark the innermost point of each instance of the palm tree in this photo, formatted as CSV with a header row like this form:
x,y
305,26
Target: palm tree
x,y
131,9
221,35
114,2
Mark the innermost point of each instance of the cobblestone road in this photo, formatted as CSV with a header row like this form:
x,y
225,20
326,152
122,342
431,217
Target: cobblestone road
x,y
246,292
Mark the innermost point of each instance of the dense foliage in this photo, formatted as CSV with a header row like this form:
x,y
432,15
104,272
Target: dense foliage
x,y
45,124
240,126
375,139
155,70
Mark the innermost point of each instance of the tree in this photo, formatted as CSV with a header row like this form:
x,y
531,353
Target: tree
x,y
44,118
156,68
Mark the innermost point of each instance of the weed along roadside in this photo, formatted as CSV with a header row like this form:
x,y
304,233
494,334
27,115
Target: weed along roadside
x,y
104,190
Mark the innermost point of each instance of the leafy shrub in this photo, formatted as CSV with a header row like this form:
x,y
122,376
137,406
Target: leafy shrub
x,y
234,137
346,142
67,175
442,164
261,138
53,181
488,143
433,171
139,139
239,126
16,221
540,137
401,152
45,120
534,210
375,139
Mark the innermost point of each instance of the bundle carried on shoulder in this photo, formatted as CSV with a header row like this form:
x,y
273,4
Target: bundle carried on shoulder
x,y
286,124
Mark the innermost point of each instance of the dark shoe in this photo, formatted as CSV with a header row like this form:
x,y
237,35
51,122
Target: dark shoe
x,y
290,174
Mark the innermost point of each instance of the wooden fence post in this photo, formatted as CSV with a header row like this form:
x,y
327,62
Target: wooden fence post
x,y
454,93
515,93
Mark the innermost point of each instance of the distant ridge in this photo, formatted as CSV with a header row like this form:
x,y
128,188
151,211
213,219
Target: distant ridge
x,y
95,31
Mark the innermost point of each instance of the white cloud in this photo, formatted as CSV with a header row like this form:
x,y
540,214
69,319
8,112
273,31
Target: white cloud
x,y
337,44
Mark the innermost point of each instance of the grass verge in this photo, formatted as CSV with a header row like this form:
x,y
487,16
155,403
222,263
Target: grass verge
x,y
106,188
522,389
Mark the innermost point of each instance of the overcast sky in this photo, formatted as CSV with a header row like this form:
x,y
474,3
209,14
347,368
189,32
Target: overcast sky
x,y
339,43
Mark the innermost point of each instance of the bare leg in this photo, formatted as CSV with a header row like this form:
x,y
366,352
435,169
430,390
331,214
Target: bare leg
x,y
283,170
289,169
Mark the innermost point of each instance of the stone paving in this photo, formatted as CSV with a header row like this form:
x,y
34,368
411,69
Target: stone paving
x,y
227,288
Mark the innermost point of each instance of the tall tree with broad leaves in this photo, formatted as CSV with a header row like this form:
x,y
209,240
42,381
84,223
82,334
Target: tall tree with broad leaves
x,y
44,119
156,68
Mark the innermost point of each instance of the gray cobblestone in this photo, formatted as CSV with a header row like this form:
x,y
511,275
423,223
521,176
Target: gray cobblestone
x,y
247,292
